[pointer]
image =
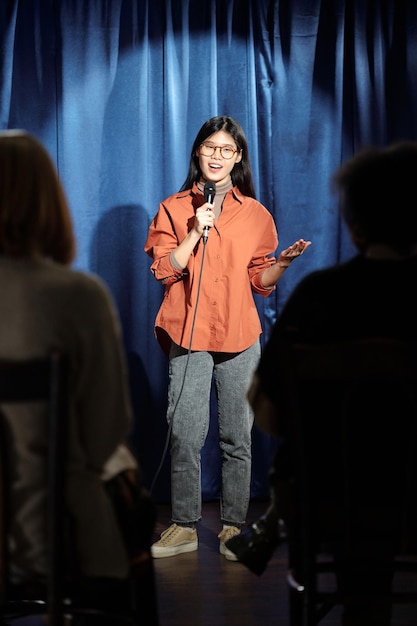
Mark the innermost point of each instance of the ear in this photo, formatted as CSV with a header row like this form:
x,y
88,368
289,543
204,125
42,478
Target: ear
x,y
239,157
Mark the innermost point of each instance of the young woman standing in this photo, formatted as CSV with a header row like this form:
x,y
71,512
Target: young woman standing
x,y
212,246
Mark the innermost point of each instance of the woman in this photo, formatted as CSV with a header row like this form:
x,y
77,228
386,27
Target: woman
x,y
44,305
208,322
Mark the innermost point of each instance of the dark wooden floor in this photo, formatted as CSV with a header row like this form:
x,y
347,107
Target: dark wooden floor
x,y
204,589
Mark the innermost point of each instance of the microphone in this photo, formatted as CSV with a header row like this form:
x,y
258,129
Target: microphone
x,y
209,193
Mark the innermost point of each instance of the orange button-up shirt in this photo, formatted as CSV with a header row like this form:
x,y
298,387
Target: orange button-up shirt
x,y
240,247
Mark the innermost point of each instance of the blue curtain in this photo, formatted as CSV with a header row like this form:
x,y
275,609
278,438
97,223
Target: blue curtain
x,y
117,90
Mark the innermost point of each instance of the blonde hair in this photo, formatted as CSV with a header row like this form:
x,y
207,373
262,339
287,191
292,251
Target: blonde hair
x,y
34,215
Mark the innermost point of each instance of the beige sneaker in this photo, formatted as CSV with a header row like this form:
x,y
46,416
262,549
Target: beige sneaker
x,y
175,540
225,535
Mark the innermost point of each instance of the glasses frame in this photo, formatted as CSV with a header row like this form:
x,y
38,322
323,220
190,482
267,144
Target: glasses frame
x,y
220,148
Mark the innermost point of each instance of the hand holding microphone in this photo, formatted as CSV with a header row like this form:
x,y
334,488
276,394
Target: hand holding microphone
x,y
209,193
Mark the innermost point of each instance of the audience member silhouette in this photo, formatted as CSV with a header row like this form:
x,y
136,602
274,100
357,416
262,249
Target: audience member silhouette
x,y
370,295
45,305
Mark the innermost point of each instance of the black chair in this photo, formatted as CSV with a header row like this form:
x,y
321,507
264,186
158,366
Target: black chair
x,y
60,594
352,415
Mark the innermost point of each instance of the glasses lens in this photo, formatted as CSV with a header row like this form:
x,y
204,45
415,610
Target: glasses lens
x,y
207,150
227,152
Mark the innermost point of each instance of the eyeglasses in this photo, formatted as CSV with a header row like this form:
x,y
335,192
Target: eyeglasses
x,y
208,149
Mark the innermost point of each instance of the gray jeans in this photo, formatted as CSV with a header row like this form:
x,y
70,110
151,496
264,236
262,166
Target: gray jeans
x,y
189,416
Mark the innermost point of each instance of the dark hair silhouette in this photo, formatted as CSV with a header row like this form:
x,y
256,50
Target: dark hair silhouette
x,y
378,195
34,214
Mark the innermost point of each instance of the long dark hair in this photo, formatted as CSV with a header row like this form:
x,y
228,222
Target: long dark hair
x,y
241,173
34,214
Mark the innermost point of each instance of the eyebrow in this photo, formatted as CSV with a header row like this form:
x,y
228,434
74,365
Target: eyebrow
x,y
220,145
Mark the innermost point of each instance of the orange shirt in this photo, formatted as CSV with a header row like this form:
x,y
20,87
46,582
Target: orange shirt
x,y
239,247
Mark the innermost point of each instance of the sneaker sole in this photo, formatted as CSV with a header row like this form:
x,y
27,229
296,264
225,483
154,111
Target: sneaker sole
x,y
160,553
228,554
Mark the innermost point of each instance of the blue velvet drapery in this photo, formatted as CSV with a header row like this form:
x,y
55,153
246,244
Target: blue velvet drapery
x,y
117,90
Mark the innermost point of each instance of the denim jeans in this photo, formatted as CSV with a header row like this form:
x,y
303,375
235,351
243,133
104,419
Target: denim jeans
x,y
190,381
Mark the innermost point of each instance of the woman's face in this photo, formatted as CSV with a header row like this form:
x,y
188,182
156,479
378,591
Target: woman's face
x,y
216,167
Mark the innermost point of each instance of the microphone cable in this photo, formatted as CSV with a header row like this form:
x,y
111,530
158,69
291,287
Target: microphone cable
x,y
168,437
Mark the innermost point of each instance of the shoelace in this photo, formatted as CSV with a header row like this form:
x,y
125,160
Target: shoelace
x,y
228,533
170,532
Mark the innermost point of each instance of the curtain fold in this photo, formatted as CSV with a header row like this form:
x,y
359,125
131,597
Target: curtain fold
x,y
117,90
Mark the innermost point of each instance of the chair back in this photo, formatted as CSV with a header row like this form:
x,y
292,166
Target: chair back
x,y
26,381
352,415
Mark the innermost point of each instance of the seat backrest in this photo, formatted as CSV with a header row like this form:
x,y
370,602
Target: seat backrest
x,y
26,381
352,415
